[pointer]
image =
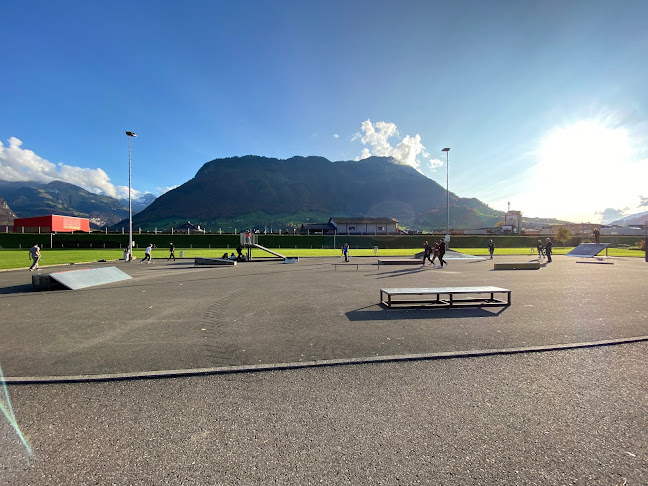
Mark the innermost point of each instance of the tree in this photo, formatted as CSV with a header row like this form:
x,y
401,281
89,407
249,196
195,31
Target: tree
x,y
564,234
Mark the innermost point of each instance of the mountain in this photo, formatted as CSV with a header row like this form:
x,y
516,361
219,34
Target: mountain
x,y
6,214
140,203
28,198
254,191
638,219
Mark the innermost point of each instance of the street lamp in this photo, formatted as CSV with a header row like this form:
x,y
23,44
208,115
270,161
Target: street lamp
x,y
447,151
130,206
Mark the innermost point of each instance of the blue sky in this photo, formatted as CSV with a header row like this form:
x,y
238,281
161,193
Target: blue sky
x,y
543,103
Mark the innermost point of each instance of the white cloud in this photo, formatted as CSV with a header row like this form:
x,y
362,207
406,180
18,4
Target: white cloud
x,y
435,163
19,164
376,137
336,135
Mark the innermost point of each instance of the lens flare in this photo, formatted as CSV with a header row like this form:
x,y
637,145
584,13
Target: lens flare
x,y
7,409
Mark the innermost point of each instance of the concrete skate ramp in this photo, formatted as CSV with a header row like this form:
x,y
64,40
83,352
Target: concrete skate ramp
x,y
587,250
79,279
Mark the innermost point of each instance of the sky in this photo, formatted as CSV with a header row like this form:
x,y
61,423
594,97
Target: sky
x,y
544,104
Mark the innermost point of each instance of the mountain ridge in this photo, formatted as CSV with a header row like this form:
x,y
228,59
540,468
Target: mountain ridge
x,y
230,189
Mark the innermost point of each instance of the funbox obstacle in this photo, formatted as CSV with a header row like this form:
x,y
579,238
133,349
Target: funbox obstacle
x,y
77,279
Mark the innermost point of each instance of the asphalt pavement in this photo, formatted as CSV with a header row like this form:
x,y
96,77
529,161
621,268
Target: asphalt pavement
x,y
429,396
172,316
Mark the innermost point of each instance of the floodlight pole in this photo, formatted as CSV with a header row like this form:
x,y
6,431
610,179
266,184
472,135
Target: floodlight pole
x,y
447,238
130,205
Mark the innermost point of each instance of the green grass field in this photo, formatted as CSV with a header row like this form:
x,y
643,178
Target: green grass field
x,y
20,258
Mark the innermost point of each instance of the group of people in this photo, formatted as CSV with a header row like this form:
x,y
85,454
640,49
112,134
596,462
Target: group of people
x,y
437,250
239,258
545,250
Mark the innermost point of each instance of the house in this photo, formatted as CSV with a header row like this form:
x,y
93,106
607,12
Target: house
x,y
352,226
365,226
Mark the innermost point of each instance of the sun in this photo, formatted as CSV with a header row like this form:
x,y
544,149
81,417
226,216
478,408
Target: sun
x,y
583,148
581,169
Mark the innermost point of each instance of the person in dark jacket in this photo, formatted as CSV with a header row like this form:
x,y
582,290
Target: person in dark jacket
x,y
491,248
427,250
548,249
442,250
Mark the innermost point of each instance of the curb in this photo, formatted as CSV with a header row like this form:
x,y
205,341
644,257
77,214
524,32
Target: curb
x,y
147,375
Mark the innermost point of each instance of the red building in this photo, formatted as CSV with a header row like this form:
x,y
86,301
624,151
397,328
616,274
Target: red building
x,y
51,224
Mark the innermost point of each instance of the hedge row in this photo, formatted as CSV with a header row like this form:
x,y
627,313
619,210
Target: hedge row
x,y
102,240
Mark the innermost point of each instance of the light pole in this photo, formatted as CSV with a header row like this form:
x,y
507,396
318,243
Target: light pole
x,y
130,206
447,151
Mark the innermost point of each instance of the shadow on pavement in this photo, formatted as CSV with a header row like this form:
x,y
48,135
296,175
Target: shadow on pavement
x,y
378,313
17,289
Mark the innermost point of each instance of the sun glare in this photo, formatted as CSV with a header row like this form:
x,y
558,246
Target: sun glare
x,y
579,166
584,147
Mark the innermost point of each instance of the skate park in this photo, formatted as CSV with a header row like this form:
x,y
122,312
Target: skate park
x,y
173,318
265,371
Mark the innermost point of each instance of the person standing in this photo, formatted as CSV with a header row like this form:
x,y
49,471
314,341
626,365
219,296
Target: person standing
x,y
427,250
491,248
597,236
540,250
548,249
34,254
171,252
147,254
442,250
345,252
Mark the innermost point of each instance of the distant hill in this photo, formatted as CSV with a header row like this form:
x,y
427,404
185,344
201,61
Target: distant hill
x,y
638,219
6,214
254,191
140,203
37,199
30,198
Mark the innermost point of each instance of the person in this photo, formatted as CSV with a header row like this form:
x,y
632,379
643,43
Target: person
x,y
239,251
435,252
225,256
171,252
491,248
540,250
548,249
442,250
597,236
232,256
427,250
147,254
248,237
345,252
34,254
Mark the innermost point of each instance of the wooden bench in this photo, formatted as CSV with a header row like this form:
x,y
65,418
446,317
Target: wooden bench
x,y
417,296
517,266
212,261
